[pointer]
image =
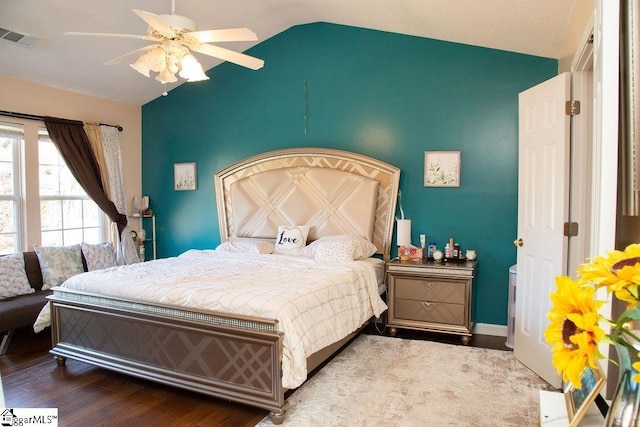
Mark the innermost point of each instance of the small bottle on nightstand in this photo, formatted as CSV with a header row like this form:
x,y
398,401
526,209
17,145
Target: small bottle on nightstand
x,y
432,249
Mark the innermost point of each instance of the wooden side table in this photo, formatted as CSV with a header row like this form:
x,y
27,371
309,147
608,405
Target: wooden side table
x,y
429,296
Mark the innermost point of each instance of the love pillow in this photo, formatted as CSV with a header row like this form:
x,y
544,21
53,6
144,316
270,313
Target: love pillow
x,y
291,239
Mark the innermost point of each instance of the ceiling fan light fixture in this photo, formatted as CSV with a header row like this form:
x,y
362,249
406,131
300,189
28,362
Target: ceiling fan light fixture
x,y
156,58
166,76
152,60
172,64
191,69
141,66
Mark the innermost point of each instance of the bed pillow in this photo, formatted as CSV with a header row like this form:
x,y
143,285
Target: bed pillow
x,y
364,248
336,251
99,256
291,240
13,277
58,263
247,244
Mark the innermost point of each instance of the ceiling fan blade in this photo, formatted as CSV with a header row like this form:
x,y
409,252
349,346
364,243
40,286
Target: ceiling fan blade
x,y
224,35
121,58
126,36
228,55
155,22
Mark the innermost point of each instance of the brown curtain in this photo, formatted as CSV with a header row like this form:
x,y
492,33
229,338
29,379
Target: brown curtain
x,y
74,146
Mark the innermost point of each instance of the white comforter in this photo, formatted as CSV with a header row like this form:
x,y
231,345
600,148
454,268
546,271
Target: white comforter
x,y
316,304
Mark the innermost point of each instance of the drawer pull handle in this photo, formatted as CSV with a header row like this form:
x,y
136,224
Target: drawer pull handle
x,y
428,285
428,305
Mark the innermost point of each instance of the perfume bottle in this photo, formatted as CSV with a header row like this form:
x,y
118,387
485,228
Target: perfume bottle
x,y
432,248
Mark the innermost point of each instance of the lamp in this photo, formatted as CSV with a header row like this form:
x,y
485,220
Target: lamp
x,y
167,59
404,238
403,232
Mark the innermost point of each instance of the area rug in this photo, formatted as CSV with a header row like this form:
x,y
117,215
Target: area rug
x,y
382,381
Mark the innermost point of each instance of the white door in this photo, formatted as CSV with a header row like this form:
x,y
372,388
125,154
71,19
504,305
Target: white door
x,y
543,202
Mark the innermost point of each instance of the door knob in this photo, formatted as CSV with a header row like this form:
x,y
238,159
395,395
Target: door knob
x,y
518,242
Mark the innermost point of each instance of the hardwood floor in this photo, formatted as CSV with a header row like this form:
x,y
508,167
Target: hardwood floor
x,y
90,396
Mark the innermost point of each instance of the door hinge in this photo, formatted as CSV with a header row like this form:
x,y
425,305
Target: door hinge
x,y
570,229
572,108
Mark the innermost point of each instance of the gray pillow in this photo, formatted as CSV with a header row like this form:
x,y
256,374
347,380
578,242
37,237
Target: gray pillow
x,y
58,263
13,277
99,256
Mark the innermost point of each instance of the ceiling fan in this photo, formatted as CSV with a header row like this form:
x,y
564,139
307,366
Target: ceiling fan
x,y
175,37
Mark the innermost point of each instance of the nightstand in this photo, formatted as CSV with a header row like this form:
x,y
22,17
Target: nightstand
x,y
429,296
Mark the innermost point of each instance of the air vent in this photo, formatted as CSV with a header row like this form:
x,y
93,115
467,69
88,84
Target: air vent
x,y
17,38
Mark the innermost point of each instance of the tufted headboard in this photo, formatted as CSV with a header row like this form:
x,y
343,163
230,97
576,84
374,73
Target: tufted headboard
x,y
333,191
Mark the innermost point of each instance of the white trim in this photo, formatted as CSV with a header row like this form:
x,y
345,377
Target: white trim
x,y
583,58
605,141
581,166
490,329
605,154
581,149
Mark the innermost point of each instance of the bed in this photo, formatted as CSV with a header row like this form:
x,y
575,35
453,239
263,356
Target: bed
x,y
244,354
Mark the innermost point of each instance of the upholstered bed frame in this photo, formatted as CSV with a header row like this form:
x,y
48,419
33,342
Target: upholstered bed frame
x,y
234,357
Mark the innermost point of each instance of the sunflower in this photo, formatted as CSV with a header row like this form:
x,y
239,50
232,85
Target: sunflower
x,y
636,367
619,272
630,274
573,331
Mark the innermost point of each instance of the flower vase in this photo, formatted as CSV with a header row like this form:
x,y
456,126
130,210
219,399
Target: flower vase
x,y
624,409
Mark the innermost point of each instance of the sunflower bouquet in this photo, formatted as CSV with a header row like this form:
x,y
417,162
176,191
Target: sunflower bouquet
x,y
575,329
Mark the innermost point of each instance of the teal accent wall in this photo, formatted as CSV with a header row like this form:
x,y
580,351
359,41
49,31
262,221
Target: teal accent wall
x,y
384,95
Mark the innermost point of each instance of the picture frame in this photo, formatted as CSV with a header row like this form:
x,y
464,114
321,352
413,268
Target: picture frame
x,y
579,400
442,168
185,176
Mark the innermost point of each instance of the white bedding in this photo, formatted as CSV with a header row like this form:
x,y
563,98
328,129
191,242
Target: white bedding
x,y
316,304
378,266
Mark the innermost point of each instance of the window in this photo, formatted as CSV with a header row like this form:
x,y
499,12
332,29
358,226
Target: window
x,y
11,140
40,200
67,214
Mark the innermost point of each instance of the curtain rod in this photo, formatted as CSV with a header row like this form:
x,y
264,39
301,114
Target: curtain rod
x,y
34,117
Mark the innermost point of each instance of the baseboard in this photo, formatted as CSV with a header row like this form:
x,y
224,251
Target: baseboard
x,y
490,329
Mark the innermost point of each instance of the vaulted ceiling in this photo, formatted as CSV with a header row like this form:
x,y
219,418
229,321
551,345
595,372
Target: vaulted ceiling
x,y
535,27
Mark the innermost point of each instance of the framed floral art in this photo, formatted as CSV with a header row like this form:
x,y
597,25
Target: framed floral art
x,y
442,169
184,176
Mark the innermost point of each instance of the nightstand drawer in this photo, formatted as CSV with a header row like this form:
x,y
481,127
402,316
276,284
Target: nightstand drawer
x,y
430,290
425,311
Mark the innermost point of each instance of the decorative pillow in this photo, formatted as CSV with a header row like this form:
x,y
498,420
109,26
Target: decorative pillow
x,y
291,240
99,256
13,277
246,244
58,263
336,251
364,248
